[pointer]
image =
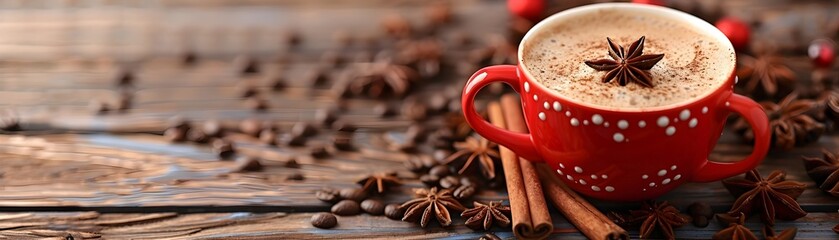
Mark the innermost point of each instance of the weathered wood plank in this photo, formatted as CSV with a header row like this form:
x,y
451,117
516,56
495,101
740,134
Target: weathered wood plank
x,y
296,225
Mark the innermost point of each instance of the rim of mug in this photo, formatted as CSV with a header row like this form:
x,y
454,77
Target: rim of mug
x,y
705,27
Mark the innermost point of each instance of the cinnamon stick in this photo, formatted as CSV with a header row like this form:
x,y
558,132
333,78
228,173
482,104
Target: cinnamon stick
x,y
590,221
531,219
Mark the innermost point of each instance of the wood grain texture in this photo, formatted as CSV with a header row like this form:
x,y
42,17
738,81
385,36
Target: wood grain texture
x,y
57,56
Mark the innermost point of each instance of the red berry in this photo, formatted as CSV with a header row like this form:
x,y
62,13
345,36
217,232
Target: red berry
x,y
822,52
737,31
650,2
529,9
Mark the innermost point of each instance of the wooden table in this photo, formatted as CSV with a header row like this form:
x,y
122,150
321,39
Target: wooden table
x,y
73,172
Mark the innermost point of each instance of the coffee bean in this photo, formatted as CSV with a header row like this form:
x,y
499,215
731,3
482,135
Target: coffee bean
x,y
430,180
291,163
346,208
175,134
98,107
295,140
212,128
292,38
197,136
343,142
414,164
303,129
449,182
125,78
223,148
256,103
464,192
489,236
467,181
327,195
318,152
317,77
250,127
440,171
407,148
326,116
295,177
178,122
701,212
393,211
324,220
355,194
343,126
268,136
246,65
189,59
247,164
384,110
279,83
373,207
249,92
700,209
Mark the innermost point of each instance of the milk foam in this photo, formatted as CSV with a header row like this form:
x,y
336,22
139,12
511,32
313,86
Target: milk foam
x,y
694,63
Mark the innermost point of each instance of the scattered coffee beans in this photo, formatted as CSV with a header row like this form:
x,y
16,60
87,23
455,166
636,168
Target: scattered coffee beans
x,y
355,194
373,207
346,208
327,195
324,220
393,211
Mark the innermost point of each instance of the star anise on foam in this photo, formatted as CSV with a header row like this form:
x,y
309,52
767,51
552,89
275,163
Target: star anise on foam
x,y
382,78
653,215
479,149
772,197
766,70
381,181
629,65
430,202
735,230
482,216
789,121
824,171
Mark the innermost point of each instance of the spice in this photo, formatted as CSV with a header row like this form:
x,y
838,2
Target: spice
x,y
787,234
324,220
627,66
464,191
346,208
772,197
701,213
824,171
354,194
393,211
246,164
327,195
789,122
430,202
382,79
373,207
481,150
482,216
379,182
766,70
735,230
652,216
223,148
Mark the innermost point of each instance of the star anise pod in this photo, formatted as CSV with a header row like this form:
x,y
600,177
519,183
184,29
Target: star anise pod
x,y
766,70
483,215
381,182
772,197
653,215
498,51
789,121
787,234
476,148
423,55
824,171
629,65
382,79
735,231
830,102
430,202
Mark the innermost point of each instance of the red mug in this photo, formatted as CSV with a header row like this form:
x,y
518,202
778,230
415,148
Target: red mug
x,y
669,144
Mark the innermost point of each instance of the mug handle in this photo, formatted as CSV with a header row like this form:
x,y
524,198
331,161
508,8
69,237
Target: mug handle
x,y
520,143
756,117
